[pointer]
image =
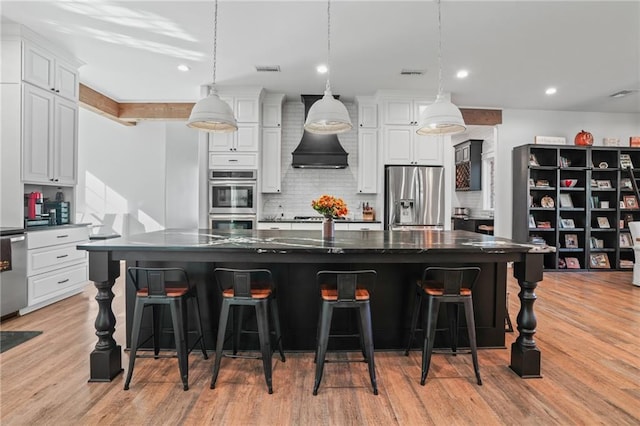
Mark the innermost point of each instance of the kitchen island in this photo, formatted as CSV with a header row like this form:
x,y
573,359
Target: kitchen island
x,y
295,256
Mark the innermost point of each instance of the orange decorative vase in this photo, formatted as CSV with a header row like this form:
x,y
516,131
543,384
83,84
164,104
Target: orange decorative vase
x,y
584,138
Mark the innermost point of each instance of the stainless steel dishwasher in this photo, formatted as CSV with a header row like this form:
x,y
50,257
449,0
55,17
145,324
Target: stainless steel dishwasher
x,y
13,282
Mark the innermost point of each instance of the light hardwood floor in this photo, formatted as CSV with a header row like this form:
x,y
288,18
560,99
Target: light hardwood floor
x,y
588,332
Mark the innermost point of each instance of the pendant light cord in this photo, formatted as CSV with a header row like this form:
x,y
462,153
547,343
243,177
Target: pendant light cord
x,y
439,51
215,42
328,88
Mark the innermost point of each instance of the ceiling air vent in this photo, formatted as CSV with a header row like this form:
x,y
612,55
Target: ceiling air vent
x,y
622,93
412,72
268,68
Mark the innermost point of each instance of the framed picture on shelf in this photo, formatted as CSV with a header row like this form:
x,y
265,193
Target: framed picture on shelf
x,y
599,261
604,184
594,183
604,204
603,222
595,243
621,204
544,224
567,223
542,183
625,240
625,161
626,183
571,241
627,218
533,161
566,201
630,202
572,263
532,222
621,226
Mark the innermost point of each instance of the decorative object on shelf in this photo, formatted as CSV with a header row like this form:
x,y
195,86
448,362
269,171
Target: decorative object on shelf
x,y
547,202
564,162
628,218
331,208
571,241
532,222
630,202
603,165
572,263
531,183
567,223
634,141
610,141
626,183
568,183
603,184
566,201
441,117
533,161
549,140
544,225
604,204
584,138
594,183
596,243
603,222
542,183
599,261
595,201
625,161
625,240
328,116
212,114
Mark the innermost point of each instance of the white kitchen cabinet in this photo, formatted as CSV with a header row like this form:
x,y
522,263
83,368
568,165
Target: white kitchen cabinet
x,y
403,111
43,69
339,226
274,225
365,226
367,161
367,112
233,160
270,178
402,145
245,139
272,110
56,269
49,137
244,102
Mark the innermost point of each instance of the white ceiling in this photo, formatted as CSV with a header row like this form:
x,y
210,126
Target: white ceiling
x,y
513,50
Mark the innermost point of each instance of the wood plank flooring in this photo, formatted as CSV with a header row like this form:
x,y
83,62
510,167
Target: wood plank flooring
x,y
588,332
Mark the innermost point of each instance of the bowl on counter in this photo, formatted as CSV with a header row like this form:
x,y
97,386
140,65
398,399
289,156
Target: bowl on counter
x,y
568,183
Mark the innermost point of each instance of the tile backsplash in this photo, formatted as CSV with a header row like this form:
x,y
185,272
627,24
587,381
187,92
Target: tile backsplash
x,y
300,186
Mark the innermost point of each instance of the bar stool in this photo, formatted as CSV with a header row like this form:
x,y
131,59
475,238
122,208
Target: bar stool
x,y
248,287
345,289
158,287
453,286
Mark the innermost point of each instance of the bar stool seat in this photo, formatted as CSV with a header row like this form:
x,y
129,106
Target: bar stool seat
x,y
155,288
452,286
345,289
248,287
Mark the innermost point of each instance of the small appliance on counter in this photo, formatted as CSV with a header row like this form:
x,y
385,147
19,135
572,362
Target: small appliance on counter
x,y
58,210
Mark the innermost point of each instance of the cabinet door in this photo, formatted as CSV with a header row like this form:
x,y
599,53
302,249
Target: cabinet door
x,y
368,115
246,138
398,111
271,178
66,81
246,109
397,144
65,141
418,108
37,134
428,150
367,161
271,114
38,66
221,142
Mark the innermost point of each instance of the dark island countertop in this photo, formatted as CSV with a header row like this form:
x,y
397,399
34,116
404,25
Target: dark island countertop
x,y
286,241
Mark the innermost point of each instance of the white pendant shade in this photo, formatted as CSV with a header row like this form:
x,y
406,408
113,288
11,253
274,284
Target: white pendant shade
x,y
328,116
212,114
441,118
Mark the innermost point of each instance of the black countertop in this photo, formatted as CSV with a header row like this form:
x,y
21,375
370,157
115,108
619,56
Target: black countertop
x,y
285,241
50,227
8,230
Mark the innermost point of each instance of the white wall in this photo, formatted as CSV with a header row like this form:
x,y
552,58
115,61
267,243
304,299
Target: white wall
x,y
519,128
182,177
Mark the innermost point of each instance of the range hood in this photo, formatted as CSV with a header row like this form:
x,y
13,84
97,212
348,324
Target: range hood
x,y
318,151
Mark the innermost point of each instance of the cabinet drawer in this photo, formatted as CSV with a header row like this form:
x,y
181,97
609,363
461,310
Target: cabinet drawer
x,y
54,237
272,225
365,226
46,286
232,160
41,260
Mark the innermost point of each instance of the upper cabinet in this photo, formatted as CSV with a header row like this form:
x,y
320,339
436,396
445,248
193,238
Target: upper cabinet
x,y
401,144
367,112
43,69
270,148
245,139
244,102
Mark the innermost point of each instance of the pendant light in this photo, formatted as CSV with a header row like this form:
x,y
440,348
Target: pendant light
x,y
212,114
441,117
328,116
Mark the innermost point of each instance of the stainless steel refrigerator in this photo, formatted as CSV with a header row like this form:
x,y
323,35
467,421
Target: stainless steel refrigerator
x,y
414,197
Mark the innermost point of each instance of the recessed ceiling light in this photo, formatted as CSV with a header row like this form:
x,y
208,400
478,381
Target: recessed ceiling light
x,y
322,69
183,67
551,91
462,74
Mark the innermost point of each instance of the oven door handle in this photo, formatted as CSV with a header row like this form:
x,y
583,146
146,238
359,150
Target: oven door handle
x,y
17,239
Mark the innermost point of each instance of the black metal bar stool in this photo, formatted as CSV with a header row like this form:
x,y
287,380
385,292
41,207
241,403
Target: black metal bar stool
x,y
345,289
452,286
158,287
248,287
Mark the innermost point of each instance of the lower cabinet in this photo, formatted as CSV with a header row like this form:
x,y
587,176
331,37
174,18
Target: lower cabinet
x,y
317,226
55,268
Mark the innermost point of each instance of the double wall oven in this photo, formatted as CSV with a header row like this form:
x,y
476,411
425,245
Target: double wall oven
x,y
233,199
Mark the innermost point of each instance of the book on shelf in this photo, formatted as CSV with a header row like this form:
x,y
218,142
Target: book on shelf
x,y
544,224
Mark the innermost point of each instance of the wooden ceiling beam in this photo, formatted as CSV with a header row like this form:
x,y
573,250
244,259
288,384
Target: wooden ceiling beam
x,y
101,104
481,117
155,111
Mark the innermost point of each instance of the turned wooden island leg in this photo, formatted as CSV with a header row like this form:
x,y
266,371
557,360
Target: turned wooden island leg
x,y
106,358
525,355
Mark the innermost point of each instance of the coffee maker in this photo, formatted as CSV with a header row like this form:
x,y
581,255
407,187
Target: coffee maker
x,y
34,205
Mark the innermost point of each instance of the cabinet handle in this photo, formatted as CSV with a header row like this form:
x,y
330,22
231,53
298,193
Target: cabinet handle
x,y
60,257
62,236
278,124
63,281
365,229
53,89
56,180
57,91
233,160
